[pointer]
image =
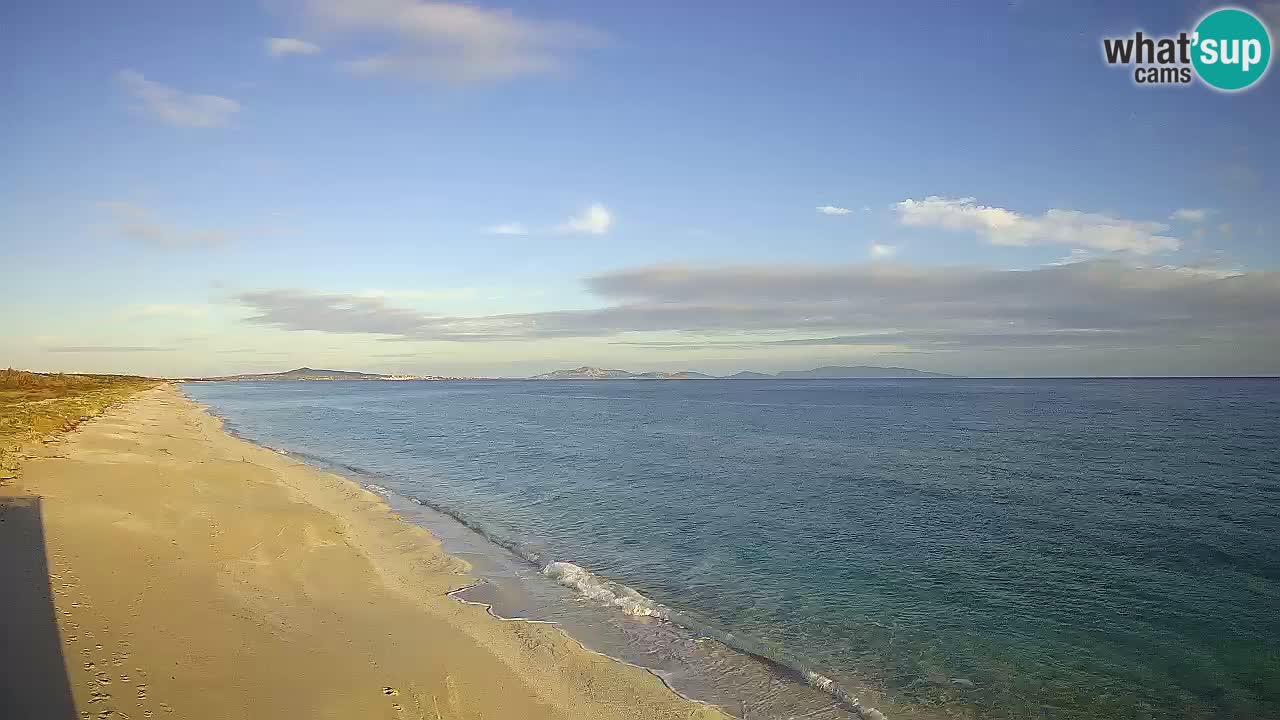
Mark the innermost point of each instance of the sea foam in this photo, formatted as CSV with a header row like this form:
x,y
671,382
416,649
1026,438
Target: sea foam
x,y
635,603
632,602
606,591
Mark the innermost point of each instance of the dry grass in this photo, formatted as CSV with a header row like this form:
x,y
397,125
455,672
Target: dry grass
x,y
36,405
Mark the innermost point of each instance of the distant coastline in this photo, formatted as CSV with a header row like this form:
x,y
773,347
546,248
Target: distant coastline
x,y
586,372
312,374
826,372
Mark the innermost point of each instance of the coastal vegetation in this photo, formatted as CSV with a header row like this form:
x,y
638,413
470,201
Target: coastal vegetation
x,y
35,405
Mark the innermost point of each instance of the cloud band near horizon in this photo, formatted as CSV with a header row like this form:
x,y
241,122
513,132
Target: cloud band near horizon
x,y
1092,304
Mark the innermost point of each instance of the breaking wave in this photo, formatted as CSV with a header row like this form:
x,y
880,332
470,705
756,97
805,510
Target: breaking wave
x,y
609,592
635,603
604,590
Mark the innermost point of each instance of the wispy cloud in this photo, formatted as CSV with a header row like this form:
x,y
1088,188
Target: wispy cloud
x,y
278,46
833,210
1076,255
449,41
167,310
140,224
106,349
175,107
880,251
1193,215
594,220
1000,226
511,228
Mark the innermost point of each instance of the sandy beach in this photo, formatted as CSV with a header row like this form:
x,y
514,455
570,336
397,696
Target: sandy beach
x,y
155,566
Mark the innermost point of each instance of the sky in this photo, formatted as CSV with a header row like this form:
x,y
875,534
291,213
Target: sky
x,y
502,189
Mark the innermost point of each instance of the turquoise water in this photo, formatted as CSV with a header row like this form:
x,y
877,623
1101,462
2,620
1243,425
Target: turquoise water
x,y
973,548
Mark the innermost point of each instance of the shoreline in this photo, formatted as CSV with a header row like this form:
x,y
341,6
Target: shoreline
x,y
299,592
621,599
444,525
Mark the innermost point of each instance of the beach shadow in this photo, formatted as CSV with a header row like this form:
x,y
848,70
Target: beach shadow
x,y
33,674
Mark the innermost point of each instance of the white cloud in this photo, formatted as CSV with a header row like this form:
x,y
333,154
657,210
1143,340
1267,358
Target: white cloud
x,y
139,223
1194,215
595,220
880,251
833,210
1000,226
511,228
1076,255
447,41
277,46
176,107
1216,273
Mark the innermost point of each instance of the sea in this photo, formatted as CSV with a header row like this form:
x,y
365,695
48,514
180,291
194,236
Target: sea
x,y
927,548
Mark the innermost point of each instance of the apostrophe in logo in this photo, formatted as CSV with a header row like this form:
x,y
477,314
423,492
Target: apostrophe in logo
x,y
1231,49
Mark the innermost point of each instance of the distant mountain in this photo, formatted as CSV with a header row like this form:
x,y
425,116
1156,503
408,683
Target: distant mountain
x,y
595,373
828,372
306,373
859,371
682,375
584,373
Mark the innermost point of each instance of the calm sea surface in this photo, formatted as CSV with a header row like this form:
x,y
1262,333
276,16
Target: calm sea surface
x,y
968,548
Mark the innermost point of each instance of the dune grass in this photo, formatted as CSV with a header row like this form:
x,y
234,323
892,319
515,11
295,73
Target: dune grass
x,y
36,405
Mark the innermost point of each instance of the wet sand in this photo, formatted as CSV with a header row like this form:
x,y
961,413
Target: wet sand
x,y
191,574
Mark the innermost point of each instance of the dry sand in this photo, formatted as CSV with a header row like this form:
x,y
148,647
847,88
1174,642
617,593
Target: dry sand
x,y
191,574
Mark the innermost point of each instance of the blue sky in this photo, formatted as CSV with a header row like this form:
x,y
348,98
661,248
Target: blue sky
x,y
509,188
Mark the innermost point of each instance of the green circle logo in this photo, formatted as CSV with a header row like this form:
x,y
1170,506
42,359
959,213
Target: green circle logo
x,y
1231,49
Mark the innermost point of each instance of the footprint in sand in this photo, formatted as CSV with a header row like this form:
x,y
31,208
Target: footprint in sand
x,y
101,652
